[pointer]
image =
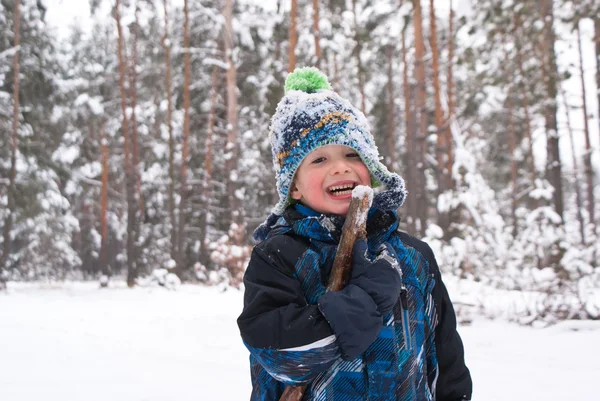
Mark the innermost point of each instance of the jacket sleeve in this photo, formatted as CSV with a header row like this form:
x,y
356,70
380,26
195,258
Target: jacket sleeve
x,y
291,339
454,380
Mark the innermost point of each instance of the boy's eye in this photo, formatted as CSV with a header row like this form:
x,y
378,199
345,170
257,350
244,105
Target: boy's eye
x,y
354,154
318,160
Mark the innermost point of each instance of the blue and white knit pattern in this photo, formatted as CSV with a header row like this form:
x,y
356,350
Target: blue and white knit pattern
x,y
304,122
401,364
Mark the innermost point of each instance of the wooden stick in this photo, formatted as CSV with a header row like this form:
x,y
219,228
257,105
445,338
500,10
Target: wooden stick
x,y
355,227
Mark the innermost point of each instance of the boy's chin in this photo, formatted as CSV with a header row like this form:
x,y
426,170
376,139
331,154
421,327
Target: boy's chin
x,y
338,209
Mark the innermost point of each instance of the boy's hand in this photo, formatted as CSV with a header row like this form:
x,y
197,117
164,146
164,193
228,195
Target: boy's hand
x,y
355,313
381,277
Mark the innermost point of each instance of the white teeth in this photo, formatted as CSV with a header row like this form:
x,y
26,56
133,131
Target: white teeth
x,y
341,190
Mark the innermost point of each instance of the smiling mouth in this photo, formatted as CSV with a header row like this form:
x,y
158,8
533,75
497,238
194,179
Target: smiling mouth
x,y
342,190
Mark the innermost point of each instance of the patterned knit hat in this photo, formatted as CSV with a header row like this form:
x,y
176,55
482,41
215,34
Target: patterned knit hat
x,y
309,116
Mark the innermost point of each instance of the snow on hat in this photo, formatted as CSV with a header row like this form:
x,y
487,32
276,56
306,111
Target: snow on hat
x,y
309,116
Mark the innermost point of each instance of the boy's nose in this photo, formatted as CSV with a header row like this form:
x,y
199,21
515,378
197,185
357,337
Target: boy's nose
x,y
340,167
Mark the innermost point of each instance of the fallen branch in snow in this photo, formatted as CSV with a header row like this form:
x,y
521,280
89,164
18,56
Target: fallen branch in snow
x,y
355,227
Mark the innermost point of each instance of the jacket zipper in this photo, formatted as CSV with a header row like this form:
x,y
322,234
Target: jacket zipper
x,y
405,317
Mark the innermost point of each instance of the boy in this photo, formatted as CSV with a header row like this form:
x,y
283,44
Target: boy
x,y
390,334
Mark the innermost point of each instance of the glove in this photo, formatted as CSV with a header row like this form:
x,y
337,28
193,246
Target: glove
x,y
381,277
353,317
355,313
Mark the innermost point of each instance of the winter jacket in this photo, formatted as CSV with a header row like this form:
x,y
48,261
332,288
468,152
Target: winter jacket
x,y
417,353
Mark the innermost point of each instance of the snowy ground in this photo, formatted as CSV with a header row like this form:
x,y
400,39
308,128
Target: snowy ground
x,y
75,342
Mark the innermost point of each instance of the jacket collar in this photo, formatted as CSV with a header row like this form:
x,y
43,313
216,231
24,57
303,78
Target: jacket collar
x,y
305,222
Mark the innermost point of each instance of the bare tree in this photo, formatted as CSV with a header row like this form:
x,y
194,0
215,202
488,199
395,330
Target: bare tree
x,y
293,36
512,145
410,136
232,121
206,184
597,42
184,190
276,28
550,76
103,257
358,52
525,107
391,110
133,96
553,161
453,213
442,143
421,107
316,33
129,174
578,197
450,74
14,145
166,44
587,156
336,71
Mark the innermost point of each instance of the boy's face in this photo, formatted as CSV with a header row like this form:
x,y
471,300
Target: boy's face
x,y
326,177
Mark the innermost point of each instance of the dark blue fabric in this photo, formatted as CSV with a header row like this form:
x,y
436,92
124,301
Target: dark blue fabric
x,y
285,282
353,317
379,277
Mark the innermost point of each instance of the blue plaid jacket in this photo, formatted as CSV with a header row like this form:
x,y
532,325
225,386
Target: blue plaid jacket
x,y
417,353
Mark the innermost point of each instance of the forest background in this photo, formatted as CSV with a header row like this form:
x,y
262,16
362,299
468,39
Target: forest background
x,y
134,142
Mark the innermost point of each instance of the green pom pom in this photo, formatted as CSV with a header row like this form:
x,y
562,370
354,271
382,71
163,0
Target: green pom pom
x,y
307,79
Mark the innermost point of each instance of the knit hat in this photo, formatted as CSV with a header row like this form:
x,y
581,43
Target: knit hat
x,y
309,116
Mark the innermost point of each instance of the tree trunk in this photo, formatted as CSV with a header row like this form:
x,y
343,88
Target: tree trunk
x,y
438,114
525,106
166,43
336,71
361,78
597,42
450,76
129,176
578,197
293,35
316,33
14,145
411,210
422,201
453,213
206,185
442,145
134,130
232,117
512,145
553,163
550,72
391,112
103,257
276,28
587,156
184,191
